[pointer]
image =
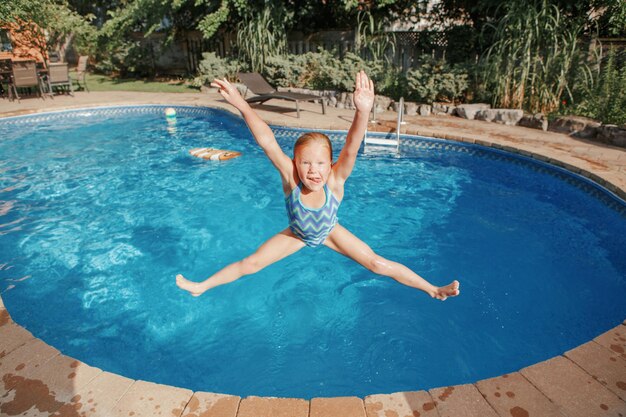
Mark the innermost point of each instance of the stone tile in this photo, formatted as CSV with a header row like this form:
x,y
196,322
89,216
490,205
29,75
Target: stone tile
x,y
12,336
24,362
573,390
402,404
338,406
49,387
273,407
98,398
205,404
513,395
146,399
615,340
603,365
461,400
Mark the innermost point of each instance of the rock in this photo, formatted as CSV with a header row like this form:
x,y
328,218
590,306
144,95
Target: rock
x,y
410,109
395,105
508,117
612,134
440,108
382,103
424,110
332,101
534,121
468,111
582,127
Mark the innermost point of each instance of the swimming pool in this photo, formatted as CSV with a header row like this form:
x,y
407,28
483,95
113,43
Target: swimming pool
x,y
96,221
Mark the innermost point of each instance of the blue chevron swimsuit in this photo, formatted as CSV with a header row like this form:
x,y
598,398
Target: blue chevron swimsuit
x,y
311,225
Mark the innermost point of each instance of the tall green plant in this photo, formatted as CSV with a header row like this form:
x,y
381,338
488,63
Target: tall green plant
x,y
529,64
372,37
601,93
260,36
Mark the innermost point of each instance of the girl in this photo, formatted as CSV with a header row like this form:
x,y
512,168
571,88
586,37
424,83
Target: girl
x,y
313,188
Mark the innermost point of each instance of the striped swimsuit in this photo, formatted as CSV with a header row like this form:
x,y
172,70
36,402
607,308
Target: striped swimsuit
x,y
311,225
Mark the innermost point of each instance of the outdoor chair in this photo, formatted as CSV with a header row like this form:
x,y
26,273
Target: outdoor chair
x,y
81,72
264,91
24,75
59,76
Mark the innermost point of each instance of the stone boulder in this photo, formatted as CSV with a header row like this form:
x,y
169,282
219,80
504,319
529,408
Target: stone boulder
x,y
410,109
578,126
443,108
424,109
382,103
468,111
612,134
534,121
508,117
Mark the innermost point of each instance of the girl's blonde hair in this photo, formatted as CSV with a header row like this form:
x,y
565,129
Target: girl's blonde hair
x,y
311,137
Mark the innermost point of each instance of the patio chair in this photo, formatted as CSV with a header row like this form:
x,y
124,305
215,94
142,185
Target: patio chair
x,y
81,72
24,75
258,85
59,76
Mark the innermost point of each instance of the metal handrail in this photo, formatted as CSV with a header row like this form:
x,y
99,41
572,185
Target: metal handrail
x,y
400,119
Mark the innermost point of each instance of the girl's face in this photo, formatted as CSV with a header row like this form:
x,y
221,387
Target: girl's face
x,y
313,164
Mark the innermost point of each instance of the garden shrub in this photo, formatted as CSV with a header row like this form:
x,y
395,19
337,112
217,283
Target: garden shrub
x,y
212,67
435,80
601,95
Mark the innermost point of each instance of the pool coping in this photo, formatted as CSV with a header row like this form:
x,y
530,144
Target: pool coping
x,y
588,380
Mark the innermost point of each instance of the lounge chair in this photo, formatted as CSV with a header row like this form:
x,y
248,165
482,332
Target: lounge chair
x,y
59,76
264,91
25,75
81,71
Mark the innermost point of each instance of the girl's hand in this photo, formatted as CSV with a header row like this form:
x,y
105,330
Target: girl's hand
x,y
229,92
363,93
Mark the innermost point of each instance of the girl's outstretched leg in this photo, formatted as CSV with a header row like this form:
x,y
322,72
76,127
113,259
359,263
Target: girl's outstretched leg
x,y
276,248
344,242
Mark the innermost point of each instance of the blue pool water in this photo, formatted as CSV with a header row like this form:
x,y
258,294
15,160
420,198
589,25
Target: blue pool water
x,y
100,209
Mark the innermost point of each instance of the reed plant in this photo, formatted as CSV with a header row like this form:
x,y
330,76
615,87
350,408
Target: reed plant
x,y
601,92
530,61
260,36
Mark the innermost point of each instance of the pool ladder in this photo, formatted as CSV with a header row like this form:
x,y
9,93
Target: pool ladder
x,y
388,142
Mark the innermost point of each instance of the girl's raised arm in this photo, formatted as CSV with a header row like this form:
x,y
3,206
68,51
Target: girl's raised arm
x,y
363,101
260,130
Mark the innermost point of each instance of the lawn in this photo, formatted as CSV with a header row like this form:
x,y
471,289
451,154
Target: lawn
x,y
98,82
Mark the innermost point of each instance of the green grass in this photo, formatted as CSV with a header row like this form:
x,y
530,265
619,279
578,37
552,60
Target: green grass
x,y
98,82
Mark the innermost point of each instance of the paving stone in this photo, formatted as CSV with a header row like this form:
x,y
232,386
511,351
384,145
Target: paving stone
x,y
48,388
146,399
24,362
414,403
603,365
461,400
614,339
338,406
273,407
574,390
205,404
12,336
98,398
512,395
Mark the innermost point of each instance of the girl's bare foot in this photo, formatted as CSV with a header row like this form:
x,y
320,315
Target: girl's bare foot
x,y
193,288
450,290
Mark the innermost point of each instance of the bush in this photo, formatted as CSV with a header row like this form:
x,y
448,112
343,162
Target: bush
x,y
601,95
212,67
435,80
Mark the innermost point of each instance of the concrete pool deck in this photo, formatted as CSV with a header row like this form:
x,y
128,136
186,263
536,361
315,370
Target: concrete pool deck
x,y
587,381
